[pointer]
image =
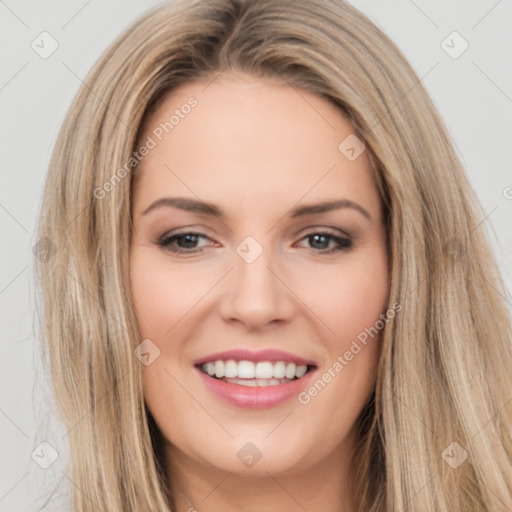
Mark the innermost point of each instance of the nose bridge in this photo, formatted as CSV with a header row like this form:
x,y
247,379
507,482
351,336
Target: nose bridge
x,y
255,295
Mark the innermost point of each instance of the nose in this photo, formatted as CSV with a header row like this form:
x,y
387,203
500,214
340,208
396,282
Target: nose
x,y
256,294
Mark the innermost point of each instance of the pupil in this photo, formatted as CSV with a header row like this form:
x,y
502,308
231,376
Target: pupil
x,y
316,237
188,242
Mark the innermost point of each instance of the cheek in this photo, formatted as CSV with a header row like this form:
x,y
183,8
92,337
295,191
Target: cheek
x,y
352,299
358,304
352,309
162,293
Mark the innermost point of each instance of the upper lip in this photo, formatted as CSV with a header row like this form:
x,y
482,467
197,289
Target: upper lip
x,y
271,355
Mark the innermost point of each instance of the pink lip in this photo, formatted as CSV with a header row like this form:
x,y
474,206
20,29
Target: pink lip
x,y
261,355
255,397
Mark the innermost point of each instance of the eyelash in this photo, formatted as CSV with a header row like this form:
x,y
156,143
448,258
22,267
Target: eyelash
x,y
344,244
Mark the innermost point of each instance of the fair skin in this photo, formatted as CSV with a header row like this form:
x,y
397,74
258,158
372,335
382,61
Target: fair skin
x,y
257,149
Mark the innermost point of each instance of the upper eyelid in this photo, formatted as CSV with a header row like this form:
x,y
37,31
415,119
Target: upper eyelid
x,y
311,231
307,232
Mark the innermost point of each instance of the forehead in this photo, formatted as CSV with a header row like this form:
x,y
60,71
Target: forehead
x,y
250,141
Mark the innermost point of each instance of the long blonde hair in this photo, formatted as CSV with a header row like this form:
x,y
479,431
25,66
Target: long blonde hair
x,y
444,372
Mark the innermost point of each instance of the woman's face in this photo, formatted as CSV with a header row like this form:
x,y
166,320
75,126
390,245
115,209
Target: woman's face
x,y
234,263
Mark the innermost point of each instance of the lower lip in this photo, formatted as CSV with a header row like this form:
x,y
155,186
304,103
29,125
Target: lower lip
x,y
260,397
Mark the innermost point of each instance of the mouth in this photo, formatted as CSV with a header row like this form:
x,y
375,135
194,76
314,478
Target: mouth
x,y
254,374
255,379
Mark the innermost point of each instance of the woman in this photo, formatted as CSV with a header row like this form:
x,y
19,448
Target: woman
x,y
206,352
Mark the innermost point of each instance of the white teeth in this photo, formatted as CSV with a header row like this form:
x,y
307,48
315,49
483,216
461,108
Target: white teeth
x,y
290,370
252,383
279,370
210,368
246,370
231,369
256,382
265,370
300,371
219,369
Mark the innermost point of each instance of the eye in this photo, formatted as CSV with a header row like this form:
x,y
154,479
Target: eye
x,y
324,238
186,243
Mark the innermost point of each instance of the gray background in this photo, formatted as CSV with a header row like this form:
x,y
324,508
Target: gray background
x,y
472,92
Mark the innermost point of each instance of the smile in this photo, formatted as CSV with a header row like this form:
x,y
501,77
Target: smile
x,y
255,380
248,373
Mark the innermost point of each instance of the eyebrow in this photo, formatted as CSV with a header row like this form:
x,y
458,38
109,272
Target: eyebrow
x,y
202,207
